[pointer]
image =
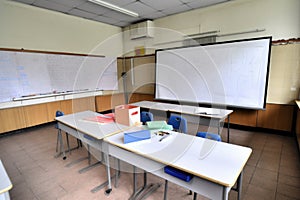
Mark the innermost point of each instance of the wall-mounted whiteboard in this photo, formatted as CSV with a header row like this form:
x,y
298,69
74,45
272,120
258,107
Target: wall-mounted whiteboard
x,y
27,73
231,74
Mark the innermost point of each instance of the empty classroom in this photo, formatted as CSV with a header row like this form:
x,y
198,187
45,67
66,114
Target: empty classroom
x,y
149,99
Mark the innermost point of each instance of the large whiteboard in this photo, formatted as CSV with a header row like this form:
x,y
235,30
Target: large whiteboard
x,y
231,74
26,73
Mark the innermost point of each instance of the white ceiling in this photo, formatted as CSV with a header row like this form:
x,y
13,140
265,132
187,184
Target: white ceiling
x,y
147,9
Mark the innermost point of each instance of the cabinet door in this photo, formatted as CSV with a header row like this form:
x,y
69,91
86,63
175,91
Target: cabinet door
x,y
277,117
35,114
121,69
144,74
117,99
11,119
103,103
83,104
140,74
52,107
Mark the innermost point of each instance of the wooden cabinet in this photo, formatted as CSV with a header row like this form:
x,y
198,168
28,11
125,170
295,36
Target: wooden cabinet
x,y
140,73
244,117
12,119
35,114
109,102
103,103
66,107
135,97
277,117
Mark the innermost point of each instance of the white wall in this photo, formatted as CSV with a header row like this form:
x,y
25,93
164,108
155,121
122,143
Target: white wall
x,y
28,27
279,18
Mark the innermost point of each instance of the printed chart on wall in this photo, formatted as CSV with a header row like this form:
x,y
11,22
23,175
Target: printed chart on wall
x,y
29,73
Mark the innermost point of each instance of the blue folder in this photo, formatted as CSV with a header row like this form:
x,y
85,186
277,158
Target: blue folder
x,y
136,136
178,173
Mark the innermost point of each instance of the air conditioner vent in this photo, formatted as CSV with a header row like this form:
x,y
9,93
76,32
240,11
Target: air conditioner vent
x,y
141,30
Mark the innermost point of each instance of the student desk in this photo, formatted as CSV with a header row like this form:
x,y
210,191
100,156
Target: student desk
x,y
206,116
5,183
91,133
217,166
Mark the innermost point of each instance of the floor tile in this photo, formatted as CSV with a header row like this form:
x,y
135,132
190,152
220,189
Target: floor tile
x,y
272,172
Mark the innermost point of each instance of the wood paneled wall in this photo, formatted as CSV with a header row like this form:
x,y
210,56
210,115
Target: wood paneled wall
x,y
32,115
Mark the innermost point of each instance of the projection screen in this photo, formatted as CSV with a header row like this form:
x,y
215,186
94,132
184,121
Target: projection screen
x,y
233,74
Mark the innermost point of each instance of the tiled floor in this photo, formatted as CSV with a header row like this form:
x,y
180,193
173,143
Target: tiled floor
x,y
273,171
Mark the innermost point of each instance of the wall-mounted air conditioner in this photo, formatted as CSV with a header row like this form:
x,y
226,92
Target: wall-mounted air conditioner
x,y
142,30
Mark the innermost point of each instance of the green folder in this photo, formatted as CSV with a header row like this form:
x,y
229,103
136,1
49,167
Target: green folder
x,y
159,125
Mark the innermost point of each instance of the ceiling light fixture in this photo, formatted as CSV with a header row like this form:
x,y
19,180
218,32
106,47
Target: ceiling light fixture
x,y
114,7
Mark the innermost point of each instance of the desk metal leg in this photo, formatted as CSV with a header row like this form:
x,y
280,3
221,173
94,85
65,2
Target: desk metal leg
x,y
109,189
62,150
166,190
117,173
238,188
76,161
109,178
99,187
228,130
225,194
145,190
90,166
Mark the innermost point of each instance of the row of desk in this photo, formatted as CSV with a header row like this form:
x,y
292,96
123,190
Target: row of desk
x,y
212,117
217,166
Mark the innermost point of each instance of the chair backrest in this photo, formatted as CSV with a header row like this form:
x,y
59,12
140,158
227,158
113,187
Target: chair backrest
x,y
211,136
179,123
146,117
59,113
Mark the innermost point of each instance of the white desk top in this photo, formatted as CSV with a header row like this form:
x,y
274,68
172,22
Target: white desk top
x,y
218,162
5,183
94,129
185,109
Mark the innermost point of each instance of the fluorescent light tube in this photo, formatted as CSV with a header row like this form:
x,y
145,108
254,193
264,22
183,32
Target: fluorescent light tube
x,y
114,7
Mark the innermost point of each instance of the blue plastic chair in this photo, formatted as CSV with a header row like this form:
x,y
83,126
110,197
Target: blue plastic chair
x,y
146,116
179,123
211,136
